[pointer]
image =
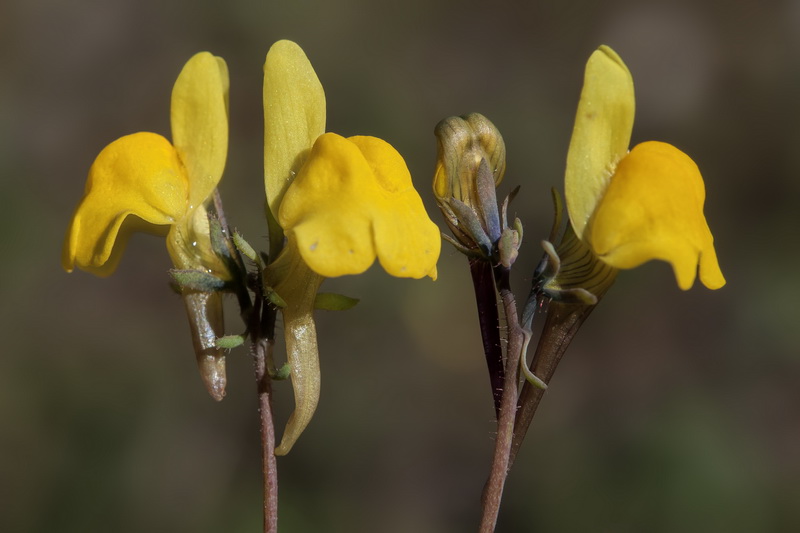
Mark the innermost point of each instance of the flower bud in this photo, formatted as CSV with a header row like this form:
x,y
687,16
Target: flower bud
x,y
471,163
463,142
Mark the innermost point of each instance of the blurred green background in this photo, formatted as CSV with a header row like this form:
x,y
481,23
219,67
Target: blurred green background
x,y
672,411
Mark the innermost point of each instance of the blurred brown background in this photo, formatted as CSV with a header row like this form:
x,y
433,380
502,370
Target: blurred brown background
x,y
672,412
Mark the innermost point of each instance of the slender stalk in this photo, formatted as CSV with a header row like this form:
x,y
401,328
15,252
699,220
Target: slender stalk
x,y
489,321
260,319
269,465
561,325
262,335
493,490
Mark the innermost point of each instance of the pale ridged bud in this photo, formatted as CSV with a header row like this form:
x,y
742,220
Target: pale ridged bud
x,y
463,142
471,163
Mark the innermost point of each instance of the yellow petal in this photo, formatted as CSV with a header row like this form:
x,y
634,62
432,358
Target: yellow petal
x,y
294,116
199,115
601,135
407,241
653,209
353,200
138,174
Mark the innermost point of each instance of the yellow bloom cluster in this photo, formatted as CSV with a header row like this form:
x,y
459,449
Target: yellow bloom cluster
x,y
340,202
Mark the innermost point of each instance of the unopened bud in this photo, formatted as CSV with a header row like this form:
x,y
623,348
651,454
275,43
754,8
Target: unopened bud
x,y
471,163
463,142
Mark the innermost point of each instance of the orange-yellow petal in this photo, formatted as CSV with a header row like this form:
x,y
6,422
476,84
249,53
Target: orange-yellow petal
x,y
653,209
354,200
139,174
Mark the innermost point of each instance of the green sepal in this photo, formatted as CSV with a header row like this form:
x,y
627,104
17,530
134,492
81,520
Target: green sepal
x,y
550,264
487,200
274,298
532,378
468,220
282,373
197,280
219,240
228,342
571,296
328,301
506,202
469,252
508,247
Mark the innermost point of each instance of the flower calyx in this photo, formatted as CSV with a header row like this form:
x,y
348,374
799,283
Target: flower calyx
x,y
569,272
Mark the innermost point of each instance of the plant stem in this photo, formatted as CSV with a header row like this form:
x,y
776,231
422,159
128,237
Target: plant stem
x,y
561,325
489,321
493,490
262,335
260,319
269,466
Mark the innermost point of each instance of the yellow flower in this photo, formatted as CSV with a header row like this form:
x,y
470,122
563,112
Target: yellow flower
x,y
341,202
164,186
631,207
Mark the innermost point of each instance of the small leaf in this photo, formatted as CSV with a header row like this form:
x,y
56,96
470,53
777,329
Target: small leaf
x,y
197,280
328,301
228,342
